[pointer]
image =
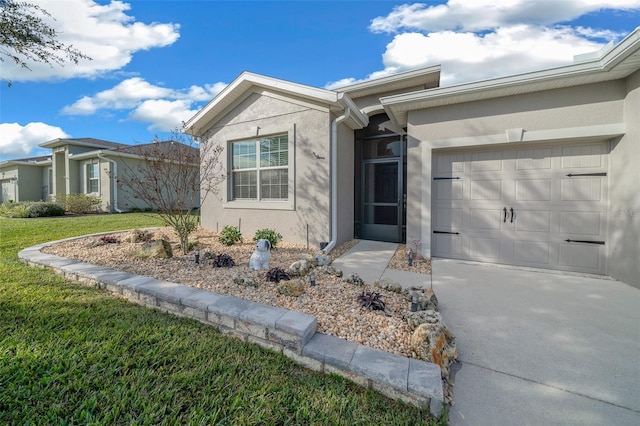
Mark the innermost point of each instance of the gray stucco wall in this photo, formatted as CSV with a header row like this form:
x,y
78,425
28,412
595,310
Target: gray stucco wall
x,y
624,192
345,184
30,183
592,107
308,126
587,105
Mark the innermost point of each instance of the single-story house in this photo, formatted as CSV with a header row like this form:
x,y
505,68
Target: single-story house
x,y
539,170
76,166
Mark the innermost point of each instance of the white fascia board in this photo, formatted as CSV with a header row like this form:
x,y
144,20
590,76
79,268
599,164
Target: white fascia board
x,y
204,118
383,81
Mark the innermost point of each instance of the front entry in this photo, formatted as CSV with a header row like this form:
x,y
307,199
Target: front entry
x,y
380,188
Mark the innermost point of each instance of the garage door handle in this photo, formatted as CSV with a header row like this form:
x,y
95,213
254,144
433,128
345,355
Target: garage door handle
x,y
511,214
505,215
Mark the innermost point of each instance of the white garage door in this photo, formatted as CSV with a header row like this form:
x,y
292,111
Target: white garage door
x,y
542,206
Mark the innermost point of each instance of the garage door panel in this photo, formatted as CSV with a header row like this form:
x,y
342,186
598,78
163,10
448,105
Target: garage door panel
x,y
533,159
580,256
484,219
486,161
449,190
484,248
448,245
528,252
486,190
581,222
447,218
532,220
450,163
533,190
582,156
581,189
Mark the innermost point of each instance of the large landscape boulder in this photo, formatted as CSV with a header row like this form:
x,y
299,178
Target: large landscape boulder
x,y
435,343
158,249
301,267
292,288
416,319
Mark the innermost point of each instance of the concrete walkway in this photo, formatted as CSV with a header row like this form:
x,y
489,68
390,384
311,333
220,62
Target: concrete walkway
x,y
535,347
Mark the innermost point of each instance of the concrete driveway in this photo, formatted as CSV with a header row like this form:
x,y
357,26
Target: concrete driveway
x,y
540,348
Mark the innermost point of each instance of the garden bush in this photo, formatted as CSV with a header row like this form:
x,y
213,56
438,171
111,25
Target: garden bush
x,y
268,234
79,203
44,209
13,210
230,235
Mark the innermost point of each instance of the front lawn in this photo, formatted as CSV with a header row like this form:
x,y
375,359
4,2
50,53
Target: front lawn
x,y
75,355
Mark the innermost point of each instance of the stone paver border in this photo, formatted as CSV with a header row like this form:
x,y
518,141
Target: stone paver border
x,y
289,332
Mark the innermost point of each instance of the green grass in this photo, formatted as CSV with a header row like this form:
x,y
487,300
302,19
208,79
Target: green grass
x,y
76,355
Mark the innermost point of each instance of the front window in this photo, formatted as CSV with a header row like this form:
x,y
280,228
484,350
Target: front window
x,y
260,169
92,178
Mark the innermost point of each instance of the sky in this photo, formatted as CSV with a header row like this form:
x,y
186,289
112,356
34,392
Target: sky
x,y
155,63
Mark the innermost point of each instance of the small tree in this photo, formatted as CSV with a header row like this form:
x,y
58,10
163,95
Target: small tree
x,y
25,36
172,177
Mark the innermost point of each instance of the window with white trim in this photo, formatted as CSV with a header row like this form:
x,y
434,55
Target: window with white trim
x,y
92,178
260,169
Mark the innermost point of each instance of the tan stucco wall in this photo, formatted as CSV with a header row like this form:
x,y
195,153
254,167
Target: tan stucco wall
x,y
624,193
267,114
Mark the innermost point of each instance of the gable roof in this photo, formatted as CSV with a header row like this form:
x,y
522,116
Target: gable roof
x,y
86,142
247,81
30,161
428,77
610,64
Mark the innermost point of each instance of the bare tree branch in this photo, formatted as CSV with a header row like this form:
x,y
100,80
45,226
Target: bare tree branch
x,y
173,177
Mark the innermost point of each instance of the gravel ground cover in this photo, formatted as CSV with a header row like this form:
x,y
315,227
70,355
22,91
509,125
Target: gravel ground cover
x,y
332,301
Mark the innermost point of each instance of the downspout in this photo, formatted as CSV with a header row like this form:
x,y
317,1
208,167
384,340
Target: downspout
x,y
333,227
115,184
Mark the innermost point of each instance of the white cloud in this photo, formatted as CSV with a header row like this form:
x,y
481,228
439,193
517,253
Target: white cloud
x,y
163,108
479,39
102,31
479,15
163,115
18,141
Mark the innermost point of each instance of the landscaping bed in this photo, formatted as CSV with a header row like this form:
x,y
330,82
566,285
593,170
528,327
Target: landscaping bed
x,y
332,301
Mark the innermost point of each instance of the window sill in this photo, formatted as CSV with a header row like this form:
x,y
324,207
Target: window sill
x,y
259,205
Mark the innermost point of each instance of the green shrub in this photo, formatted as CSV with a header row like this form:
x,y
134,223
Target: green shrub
x,y
230,235
79,203
13,209
268,234
44,209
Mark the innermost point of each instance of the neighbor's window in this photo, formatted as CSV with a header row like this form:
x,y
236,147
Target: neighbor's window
x,y
260,169
92,178
50,180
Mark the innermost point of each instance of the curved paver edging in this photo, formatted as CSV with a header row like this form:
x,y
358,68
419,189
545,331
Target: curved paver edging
x,y
289,332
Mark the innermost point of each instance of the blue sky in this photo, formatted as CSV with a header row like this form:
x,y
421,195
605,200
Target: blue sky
x,y
155,63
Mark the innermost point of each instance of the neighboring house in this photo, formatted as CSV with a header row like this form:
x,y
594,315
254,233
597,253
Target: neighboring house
x,y
25,179
75,166
539,169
